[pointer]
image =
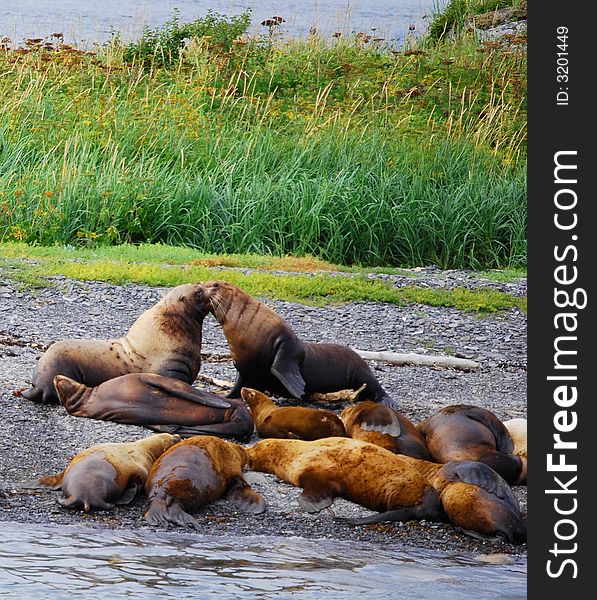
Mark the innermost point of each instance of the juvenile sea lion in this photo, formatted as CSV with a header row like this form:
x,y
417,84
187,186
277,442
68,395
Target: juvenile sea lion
x,y
357,471
291,422
464,432
165,339
475,498
269,356
108,474
378,424
194,473
157,402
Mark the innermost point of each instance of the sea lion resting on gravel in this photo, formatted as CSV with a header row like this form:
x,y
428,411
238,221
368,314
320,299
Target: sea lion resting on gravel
x,y
165,339
269,356
464,432
108,474
159,403
378,424
475,498
194,473
291,422
357,471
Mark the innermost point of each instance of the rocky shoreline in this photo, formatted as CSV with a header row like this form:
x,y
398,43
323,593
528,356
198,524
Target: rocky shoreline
x,y
41,439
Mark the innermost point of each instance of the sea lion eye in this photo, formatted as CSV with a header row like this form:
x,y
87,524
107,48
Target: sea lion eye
x,y
215,285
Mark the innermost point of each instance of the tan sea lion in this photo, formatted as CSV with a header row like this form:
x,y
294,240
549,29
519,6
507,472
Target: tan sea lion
x,y
357,471
165,339
378,424
291,422
269,356
194,473
157,402
475,498
464,432
108,474
517,428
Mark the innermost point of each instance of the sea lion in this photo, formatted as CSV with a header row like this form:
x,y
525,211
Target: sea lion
x,y
108,474
475,498
517,428
357,471
165,339
194,473
464,432
269,356
157,402
378,424
291,422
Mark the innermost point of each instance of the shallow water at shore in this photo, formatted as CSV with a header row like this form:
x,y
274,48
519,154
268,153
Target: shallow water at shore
x,y
92,21
49,561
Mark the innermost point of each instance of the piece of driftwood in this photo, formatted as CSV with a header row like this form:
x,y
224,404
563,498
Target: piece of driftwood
x,y
221,383
419,360
340,396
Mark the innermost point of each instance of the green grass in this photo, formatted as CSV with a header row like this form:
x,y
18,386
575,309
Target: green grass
x,y
348,152
320,288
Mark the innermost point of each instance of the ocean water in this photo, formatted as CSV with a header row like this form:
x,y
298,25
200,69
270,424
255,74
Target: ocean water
x,y
40,562
83,21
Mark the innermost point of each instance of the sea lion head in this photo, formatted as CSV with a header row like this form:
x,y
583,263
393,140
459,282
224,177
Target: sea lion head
x,y
188,298
254,398
220,296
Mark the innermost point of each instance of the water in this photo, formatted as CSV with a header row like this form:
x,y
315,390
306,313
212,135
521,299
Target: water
x,y
75,562
85,21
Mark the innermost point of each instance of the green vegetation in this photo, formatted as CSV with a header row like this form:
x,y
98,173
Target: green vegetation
x,y
452,18
320,288
344,150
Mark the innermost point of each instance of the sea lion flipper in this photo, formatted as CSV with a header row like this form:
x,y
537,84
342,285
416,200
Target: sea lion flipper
x,y
319,490
183,390
382,420
243,496
479,474
128,495
285,367
54,482
502,436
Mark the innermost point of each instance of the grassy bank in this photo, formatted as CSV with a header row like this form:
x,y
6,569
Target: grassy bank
x,y
307,280
346,150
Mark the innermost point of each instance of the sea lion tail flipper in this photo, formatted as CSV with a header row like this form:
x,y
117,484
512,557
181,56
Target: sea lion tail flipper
x,y
162,513
286,368
128,495
54,482
183,390
242,495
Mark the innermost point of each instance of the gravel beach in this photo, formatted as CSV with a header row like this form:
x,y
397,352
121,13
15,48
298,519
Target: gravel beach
x,y
40,440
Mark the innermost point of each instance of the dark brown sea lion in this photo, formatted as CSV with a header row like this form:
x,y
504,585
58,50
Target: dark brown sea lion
x,y
194,473
464,432
165,339
378,424
108,474
291,422
475,498
357,471
157,402
269,356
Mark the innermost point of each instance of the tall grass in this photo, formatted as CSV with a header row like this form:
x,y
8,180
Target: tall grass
x,y
347,152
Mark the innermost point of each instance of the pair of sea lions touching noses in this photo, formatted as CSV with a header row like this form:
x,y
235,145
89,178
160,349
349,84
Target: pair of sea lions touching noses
x,y
166,341
268,355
